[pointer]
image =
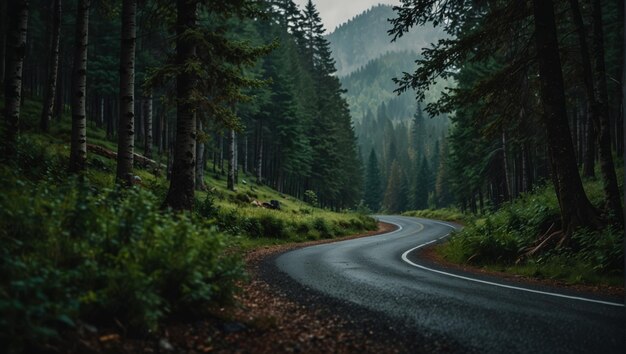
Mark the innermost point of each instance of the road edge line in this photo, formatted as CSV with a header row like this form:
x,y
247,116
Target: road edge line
x,y
407,260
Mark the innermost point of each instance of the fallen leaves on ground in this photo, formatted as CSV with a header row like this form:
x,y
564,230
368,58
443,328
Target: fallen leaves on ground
x,y
263,320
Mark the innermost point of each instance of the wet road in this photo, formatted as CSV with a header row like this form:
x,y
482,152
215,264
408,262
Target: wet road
x,y
385,274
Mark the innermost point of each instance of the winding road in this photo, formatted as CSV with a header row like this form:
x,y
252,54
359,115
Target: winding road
x,y
384,274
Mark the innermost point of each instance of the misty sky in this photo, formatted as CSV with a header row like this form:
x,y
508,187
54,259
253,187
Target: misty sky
x,y
336,12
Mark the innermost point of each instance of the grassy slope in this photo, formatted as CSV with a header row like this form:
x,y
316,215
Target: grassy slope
x,y
296,221
497,240
78,248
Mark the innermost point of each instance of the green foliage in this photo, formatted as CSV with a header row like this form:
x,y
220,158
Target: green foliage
x,y
310,197
71,251
446,214
499,239
373,183
396,194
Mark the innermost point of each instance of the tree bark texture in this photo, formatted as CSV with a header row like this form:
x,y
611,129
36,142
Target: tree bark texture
x,y
53,65
16,50
182,186
3,38
147,112
232,164
200,159
259,164
78,148
603,124
576,210
126,132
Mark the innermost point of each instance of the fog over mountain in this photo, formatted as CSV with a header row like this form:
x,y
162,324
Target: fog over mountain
x,y
365,38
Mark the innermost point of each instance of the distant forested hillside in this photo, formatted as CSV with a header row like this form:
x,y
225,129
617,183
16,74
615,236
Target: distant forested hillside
x,y
400,144
365,38
371,85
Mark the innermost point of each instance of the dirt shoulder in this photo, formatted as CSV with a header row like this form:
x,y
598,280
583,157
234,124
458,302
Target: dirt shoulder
x,y
264,319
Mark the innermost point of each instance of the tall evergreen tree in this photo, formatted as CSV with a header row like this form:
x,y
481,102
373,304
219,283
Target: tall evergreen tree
x,y
180,195
607,167
373,183
576,210
396,194
16,48
78,148
421,188
53,65
126,133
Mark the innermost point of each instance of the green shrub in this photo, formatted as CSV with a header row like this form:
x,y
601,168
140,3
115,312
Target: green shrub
x,y
322,226
310,197
273,226
499,239
601,250
207,208
70,251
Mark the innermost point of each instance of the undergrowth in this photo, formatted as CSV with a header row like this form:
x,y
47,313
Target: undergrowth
x,y
79,250
445,214
499,241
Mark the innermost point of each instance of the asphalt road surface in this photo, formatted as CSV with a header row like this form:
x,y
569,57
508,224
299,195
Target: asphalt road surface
x,y
384,274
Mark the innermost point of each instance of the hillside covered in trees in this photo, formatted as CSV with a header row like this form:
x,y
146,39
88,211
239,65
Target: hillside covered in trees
x,y
535,152
148,146
364,38
145,143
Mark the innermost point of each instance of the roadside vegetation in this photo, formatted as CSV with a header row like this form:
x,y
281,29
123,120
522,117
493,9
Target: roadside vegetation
x,y
521,238
445,214
79,250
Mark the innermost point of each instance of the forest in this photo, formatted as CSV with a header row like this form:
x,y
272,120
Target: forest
x,y
150,146
140,139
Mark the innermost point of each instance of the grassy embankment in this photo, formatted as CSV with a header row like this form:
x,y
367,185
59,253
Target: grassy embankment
x,y
80,250
500,241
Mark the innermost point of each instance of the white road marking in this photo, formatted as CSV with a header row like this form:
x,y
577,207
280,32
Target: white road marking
x,y
407,260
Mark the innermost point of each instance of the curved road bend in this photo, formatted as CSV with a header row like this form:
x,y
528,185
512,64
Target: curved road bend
x,y
478,312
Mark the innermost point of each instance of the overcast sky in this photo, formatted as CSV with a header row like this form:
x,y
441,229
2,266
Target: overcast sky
x,y
336,12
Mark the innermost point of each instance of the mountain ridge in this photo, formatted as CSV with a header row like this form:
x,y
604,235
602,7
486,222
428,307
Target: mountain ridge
x,y
364,38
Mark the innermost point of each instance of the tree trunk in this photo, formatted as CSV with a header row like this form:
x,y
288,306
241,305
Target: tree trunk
x,y
60,87
245,155
576,210
101,115
200,159
126,133
589,159
231,160
182,187
259,164
592,106
507,178
16,49
147,113
607,167
78,149
160,130
3,38
220,159
53,64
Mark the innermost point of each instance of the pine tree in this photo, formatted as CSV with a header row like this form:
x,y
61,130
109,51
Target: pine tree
x,y
78,148
576,210
53,65
126,133
16,44
421,186
396,194
373,183
180,195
